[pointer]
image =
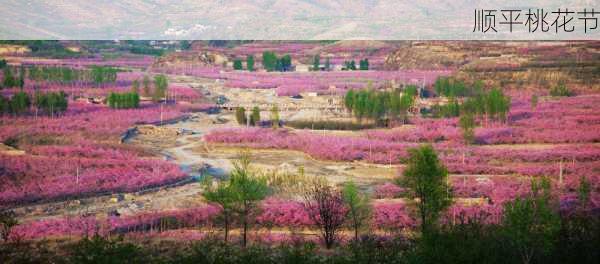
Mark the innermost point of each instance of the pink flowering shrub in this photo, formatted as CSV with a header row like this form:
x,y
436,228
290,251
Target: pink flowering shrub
x,y
293,83
81,226
458,159
547,122
424,130
387,191
496,190
392,216
483,213
338,147
276,212
48,177
185,93
78,154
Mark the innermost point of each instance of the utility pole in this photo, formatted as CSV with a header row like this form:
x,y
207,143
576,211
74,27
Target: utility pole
x,y
560,175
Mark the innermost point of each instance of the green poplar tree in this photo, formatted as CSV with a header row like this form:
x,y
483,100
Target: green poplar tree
x,y
250,63
316,63
237,65
427,179
255,116
359,207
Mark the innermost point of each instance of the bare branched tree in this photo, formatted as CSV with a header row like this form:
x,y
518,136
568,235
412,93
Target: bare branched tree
x,y
325,206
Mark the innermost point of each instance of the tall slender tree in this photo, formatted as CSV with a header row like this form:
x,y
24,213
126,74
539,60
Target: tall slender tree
x,y
255,116
275,117
316,63
269,60
135,86
223,195
467,125
160,87
530,223
240,115
426,178
146,85
248,190
359,207
250,63
237,65
9,79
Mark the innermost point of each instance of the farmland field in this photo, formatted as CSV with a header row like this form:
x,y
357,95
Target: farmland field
x,y
107,142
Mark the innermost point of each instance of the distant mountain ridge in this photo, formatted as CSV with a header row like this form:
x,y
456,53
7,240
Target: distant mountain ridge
x,y
246,19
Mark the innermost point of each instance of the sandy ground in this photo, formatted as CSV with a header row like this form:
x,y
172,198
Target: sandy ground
x,y
193,154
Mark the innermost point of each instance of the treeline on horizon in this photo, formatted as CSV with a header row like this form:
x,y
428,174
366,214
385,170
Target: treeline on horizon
x,y
271,62
98,75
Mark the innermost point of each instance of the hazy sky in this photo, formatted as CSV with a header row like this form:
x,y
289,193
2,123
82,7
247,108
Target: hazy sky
x,y
271,19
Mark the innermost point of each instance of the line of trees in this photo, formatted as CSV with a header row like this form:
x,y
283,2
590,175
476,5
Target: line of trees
x,y
123,100
243,119
58,74
316,64
492,105
51,102
9,80
103,74
96,74
349,65
254,118
17,104
451,87
271,62
450,109
363,65
485,107
238,63
377,105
